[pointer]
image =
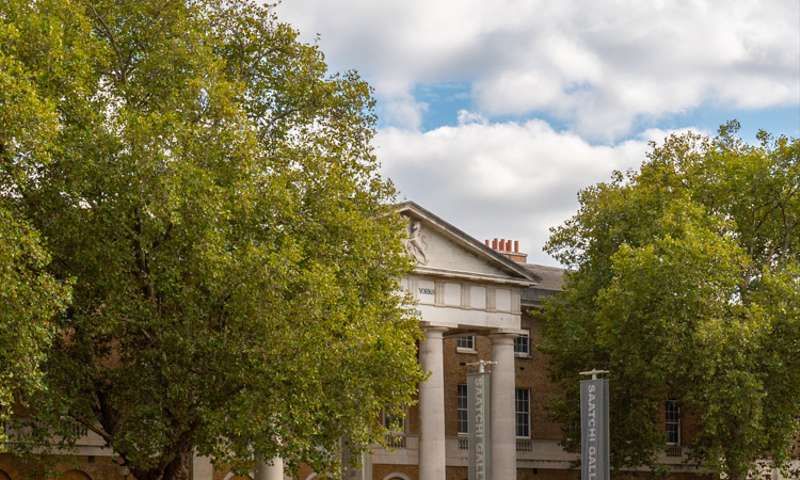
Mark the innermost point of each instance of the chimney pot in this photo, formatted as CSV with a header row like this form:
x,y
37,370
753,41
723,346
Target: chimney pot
x,y
508,245
516,246
494,244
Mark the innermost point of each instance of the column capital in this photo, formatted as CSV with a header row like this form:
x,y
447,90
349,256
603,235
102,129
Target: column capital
x,y
503,338
429,328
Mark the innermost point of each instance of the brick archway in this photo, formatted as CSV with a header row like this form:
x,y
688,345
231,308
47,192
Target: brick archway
x,y
75,475
396,476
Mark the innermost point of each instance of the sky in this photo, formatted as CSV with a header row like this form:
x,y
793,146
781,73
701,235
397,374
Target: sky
x,y
493,114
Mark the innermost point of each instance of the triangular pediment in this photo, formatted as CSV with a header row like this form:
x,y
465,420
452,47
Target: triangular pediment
x,y
441,247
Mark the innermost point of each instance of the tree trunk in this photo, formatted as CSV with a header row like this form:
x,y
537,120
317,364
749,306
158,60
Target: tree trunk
x,y
179,468
731,475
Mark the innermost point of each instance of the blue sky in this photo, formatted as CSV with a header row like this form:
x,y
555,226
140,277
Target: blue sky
x,y
495,114
444,100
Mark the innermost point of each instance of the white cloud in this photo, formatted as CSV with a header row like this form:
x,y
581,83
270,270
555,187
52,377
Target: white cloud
x,y
402,111
466,117
599,65
506,180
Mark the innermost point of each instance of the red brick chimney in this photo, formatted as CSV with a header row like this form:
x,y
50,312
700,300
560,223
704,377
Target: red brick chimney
x,y
508,248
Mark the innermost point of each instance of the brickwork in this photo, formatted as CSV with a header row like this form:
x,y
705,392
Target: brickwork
x,y
457,473
59,468
547,474
78,468
382,472
653,476
455,368
532,373
412,418
303,472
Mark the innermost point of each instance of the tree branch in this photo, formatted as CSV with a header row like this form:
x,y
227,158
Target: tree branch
x,y
122,66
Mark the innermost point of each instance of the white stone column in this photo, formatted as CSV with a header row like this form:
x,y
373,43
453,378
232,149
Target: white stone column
x,y
272,470
504,435
431,407
202,468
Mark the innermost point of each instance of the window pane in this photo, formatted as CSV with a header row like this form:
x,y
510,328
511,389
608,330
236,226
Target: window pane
x,y
523,412
461,407
394,423
522,344
466,341
672,424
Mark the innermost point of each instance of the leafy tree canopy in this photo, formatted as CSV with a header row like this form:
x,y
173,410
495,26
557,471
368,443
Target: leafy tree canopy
x,y
30,298
684,282
213,192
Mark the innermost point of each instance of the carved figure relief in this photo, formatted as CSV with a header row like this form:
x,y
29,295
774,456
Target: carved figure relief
x,y
415,244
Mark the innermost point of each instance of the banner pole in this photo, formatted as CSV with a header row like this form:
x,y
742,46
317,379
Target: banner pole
x,y
595,438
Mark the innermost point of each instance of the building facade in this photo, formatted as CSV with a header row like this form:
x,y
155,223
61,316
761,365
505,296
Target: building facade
x,y
475,301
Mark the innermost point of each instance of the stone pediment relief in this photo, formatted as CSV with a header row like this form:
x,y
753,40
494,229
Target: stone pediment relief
x,y
442,253
437,245
416,243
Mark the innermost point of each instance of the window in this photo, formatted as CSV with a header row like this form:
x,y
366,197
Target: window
x,y
461,398
673,422
394,423
522,344
466,342
523,411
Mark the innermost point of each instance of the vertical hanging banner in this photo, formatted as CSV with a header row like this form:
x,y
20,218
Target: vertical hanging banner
x,y
478,411
594,430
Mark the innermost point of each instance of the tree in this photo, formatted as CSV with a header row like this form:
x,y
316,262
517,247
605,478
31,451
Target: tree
x,y
29,301
30,298
214,194
684,282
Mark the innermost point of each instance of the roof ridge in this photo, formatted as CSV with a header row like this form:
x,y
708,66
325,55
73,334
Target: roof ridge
x,y
547,267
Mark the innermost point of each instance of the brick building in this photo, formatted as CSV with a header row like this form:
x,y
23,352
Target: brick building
x,y
452,269
474,299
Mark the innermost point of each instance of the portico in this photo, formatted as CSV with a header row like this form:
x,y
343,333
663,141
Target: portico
x,y
463,287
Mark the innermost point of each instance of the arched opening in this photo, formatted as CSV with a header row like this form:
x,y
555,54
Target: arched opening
x,y
75,475
396,476
4,475
233,476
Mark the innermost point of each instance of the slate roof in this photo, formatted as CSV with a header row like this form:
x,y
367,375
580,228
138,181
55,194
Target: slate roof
x,y
550,278
549,281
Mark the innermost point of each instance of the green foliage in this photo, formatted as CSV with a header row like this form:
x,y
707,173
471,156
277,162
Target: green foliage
x,y
685,284
29,301
30,298
214,193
